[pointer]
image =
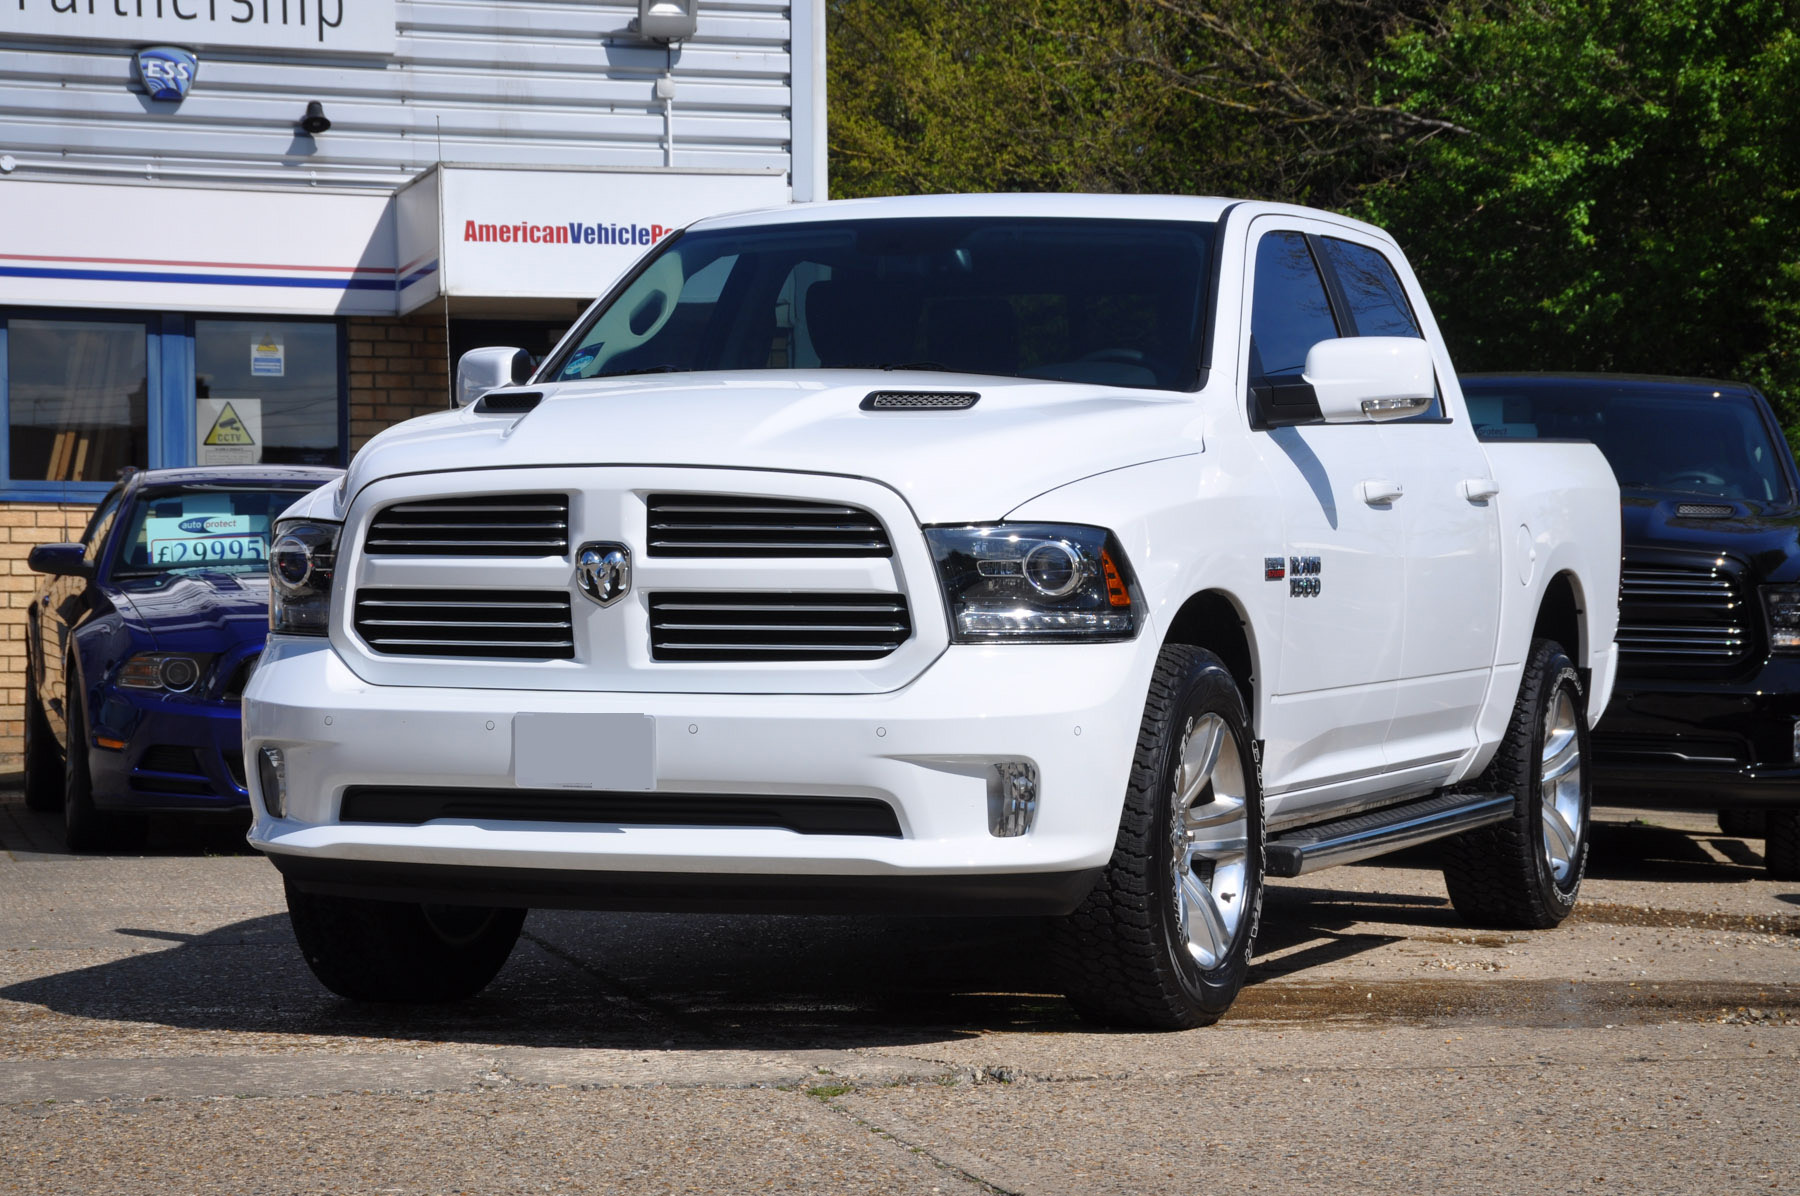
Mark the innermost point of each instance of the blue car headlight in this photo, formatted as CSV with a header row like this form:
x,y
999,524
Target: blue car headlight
x,y
1035,583
170,672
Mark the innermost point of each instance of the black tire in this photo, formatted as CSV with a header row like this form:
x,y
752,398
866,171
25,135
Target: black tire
x,y
43,763
1124,955
1781,851
1743,824
393,951
1507,876
85,828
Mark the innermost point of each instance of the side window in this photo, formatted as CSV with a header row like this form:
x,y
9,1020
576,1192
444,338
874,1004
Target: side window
x,y
95,535
1289,311
1378,305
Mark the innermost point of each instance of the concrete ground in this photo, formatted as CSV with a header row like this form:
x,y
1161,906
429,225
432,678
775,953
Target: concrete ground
x,y
160,1033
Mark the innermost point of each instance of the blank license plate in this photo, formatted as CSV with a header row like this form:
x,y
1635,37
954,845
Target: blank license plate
x,y
584,751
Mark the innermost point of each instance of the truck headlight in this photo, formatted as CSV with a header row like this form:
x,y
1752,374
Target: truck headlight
x,y
301,560
1035,583
1782,605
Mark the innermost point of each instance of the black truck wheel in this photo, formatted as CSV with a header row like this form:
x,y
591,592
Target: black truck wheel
x,y
1164,940
395,951
1524,873
1781,850
1743,824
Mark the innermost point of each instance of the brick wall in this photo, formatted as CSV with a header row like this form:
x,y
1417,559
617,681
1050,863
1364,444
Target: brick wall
x,y
397,371
25,525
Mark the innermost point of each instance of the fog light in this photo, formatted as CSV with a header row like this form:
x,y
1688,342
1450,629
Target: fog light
x,y
271,775
1012,799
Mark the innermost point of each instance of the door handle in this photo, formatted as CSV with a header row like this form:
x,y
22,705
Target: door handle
x,y
1480,489
1378,491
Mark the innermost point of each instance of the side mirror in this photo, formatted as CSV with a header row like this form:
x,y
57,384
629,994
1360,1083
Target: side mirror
x,y
482,370
60,560
1368,379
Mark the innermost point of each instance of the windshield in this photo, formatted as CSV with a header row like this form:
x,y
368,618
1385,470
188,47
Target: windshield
x,y
201,527
1677,440
1115,302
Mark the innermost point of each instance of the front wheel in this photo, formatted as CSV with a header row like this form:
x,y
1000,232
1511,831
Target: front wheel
x,y
1524,873
396,951
85,827
1164,940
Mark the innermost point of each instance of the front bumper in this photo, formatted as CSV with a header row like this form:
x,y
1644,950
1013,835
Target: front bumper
x,y
181,754
1702,744
927,749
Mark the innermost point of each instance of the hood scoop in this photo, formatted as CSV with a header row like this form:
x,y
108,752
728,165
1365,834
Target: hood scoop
x,y
920,400
508,402
1705,510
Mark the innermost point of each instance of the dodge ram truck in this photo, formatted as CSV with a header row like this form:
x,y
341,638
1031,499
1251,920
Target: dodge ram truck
x,y
1090,558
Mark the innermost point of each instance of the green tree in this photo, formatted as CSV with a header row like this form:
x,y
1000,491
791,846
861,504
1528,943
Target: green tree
x,y
1627,191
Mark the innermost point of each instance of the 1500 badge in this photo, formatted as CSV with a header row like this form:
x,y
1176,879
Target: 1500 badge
x,y
1303,576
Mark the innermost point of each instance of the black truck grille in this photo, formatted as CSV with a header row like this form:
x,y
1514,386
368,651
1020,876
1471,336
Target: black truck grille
x,y
496,624
488,525
767,627
722,525
1682,614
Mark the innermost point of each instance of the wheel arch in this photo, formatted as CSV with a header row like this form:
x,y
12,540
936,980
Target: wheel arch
x,y
1215,621
1562,616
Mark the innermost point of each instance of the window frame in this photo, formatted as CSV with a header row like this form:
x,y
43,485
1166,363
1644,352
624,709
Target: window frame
x,y
169,392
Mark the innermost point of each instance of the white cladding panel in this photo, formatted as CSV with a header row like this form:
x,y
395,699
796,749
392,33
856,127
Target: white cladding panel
x,y
490,82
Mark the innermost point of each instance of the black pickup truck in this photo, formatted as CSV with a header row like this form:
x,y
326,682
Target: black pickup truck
x,y
1706,711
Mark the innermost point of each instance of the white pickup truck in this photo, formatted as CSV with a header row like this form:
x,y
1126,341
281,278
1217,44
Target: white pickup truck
x,y
1091,557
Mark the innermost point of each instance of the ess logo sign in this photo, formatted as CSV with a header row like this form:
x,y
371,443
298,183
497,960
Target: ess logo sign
x,y
167,72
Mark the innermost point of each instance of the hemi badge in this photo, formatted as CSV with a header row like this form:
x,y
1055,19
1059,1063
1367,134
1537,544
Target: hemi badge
x,y
1274,568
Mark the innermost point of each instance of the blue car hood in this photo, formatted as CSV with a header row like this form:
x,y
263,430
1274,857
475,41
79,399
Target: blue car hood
x,y
196,612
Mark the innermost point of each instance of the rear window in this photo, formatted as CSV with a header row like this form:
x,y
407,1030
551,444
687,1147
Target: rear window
x,y
1664,440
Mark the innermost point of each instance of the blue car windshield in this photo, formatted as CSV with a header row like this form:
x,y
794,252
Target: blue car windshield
x,y
201,527
1682,440
1113,302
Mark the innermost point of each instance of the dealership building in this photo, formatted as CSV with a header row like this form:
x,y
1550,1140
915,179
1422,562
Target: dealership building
x,y
262,230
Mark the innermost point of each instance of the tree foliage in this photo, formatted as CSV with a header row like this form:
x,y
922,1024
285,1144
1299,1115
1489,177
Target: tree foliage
x,y
1582,184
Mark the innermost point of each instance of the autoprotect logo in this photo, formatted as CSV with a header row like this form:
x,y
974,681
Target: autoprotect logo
x,y
167,72
203,524
575,232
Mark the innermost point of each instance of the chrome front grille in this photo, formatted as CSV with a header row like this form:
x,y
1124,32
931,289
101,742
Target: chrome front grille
x,y
493,624
1683,614
525,525
767,627
721,525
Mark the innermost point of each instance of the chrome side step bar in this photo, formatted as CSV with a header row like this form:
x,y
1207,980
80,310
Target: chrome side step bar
x,y
1346,840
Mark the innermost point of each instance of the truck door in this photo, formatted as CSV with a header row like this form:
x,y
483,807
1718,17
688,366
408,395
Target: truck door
x,y
1452,551
1335,554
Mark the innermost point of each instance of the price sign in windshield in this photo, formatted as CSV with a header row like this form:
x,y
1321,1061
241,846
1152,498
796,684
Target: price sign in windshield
x,y
209,539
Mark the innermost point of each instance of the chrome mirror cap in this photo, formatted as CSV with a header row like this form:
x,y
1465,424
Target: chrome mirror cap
x,y
482,370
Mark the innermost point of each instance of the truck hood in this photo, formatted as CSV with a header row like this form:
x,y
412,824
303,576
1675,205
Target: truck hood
x,y
1765,536
1020,439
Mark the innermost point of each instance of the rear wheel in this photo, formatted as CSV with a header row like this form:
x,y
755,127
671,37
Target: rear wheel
x,y
395,951
1524,873
43,763
1781,851
1742,824
1164,940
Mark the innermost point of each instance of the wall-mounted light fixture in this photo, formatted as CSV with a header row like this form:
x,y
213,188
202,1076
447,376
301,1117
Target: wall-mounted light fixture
x,y
666,20
315,121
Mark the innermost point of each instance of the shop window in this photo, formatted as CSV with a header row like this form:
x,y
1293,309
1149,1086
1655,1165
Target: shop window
x,y
77,400
86,396
265,391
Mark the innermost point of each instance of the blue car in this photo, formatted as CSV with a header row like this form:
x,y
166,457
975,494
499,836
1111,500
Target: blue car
x,y
139,643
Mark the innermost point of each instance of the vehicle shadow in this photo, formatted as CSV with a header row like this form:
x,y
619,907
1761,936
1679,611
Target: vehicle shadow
x,y
28,832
